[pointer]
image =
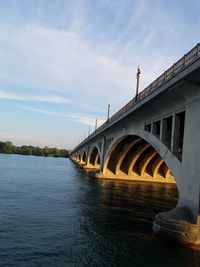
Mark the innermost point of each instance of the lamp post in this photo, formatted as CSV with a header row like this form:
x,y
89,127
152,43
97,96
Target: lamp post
x,y
89,131
95,124
138,80
108,112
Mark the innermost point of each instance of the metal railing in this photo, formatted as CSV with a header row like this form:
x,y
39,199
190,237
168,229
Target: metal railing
x,y
186,60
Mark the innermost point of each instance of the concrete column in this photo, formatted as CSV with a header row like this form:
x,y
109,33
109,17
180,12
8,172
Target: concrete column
x,y
102,153
174,121
191,160
151,127
166,131
178,136
161,129
182,224
87,157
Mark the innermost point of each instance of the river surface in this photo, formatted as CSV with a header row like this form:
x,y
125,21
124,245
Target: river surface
x,y
53,214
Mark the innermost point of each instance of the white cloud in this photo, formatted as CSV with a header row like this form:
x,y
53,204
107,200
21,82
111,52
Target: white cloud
x,y
64,61
36,98
61,61
86,120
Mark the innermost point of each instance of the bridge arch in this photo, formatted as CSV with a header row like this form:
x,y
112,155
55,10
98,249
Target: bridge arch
x,y
141,157
94,156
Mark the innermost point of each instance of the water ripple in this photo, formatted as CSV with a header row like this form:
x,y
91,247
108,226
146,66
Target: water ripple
x,y
53,214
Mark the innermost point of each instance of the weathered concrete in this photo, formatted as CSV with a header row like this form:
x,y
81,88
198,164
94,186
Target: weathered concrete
x,y
177,225
156,140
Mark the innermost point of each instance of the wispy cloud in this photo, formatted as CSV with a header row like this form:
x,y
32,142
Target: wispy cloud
x,y
86,120
67,62
35,98
63,62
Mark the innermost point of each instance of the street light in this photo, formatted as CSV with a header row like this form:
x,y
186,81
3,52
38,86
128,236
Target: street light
x,y
138,79
108,112
95,124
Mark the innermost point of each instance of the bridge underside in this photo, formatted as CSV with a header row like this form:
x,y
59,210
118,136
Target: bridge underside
x,y
132,158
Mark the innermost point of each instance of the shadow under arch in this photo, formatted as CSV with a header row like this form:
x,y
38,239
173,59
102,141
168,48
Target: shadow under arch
x,y
84,156
94,157
140,158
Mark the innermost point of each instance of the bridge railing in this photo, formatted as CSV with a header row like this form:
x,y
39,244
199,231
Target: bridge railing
x,y
186,60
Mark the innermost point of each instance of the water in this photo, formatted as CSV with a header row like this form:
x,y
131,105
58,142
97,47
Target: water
x,y
53,214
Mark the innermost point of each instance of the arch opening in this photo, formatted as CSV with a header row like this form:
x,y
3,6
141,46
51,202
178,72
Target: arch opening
x,y
134,157
97,161
84,157
94,158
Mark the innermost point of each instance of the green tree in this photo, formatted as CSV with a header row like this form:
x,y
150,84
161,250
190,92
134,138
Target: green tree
x,y
8,148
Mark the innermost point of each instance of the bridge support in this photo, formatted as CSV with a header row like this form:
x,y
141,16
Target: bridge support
x,y
182,224
176,225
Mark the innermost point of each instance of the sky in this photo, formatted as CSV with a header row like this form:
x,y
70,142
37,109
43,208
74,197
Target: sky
x,y
63,61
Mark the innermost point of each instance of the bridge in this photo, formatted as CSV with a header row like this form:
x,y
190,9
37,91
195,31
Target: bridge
x,y
156,138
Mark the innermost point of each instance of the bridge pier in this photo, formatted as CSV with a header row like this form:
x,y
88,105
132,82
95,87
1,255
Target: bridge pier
x,y
182,224
176,225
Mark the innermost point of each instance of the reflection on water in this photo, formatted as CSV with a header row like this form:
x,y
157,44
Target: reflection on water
x,y
53,214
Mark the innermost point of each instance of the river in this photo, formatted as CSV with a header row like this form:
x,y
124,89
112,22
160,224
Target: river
x,y
53,214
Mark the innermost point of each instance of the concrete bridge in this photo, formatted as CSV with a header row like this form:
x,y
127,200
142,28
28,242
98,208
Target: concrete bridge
x,y
156,138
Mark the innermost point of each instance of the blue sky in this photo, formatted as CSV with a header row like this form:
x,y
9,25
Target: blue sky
x,y
63,61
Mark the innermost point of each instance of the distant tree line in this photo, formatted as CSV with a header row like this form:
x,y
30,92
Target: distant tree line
x,y
8,148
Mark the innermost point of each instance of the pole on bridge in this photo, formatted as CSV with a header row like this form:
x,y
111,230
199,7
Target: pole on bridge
x,y
95,124
138,80
108,112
